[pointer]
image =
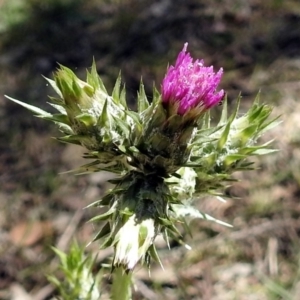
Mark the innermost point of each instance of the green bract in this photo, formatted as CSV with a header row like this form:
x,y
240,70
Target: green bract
x,y
163,161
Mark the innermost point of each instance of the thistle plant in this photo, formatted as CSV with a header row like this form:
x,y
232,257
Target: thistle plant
x,y
165,155
79,281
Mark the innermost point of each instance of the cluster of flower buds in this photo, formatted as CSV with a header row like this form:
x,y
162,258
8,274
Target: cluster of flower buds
x,y
165,154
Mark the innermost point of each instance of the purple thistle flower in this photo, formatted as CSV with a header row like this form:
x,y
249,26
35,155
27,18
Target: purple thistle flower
x,y
191,85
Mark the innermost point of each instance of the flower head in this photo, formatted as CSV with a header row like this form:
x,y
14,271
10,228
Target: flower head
x,y
191,85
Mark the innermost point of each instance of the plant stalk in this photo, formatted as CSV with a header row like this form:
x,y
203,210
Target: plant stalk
x,y
121,286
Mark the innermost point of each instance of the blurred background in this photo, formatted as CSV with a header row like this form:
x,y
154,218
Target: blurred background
x,y
258,45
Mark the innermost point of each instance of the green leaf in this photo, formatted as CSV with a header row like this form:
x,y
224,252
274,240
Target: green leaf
x,y
89,90
106,200
59,118
36,110
116,90
223,118
247,134
176,175
256,113
62,256
156,95
186,227
85,169
255,104
244,166
203,135
173,231
58,104
76,89
103,118
153,252
105,230
224,136
54,281
64,78
265,151
270,125
92,77
192,165
54,86
65,129
122,148
97,78
71,139
203,140
86,119
165,222
232,158
159,116
123,97
143,103
96,203
205,121
234,114
123,126
105,215
134,116
192,212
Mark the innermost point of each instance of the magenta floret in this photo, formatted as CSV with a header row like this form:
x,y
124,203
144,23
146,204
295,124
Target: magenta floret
x,y
191,84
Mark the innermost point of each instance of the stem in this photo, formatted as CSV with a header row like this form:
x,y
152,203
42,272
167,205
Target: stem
x,y
121,286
